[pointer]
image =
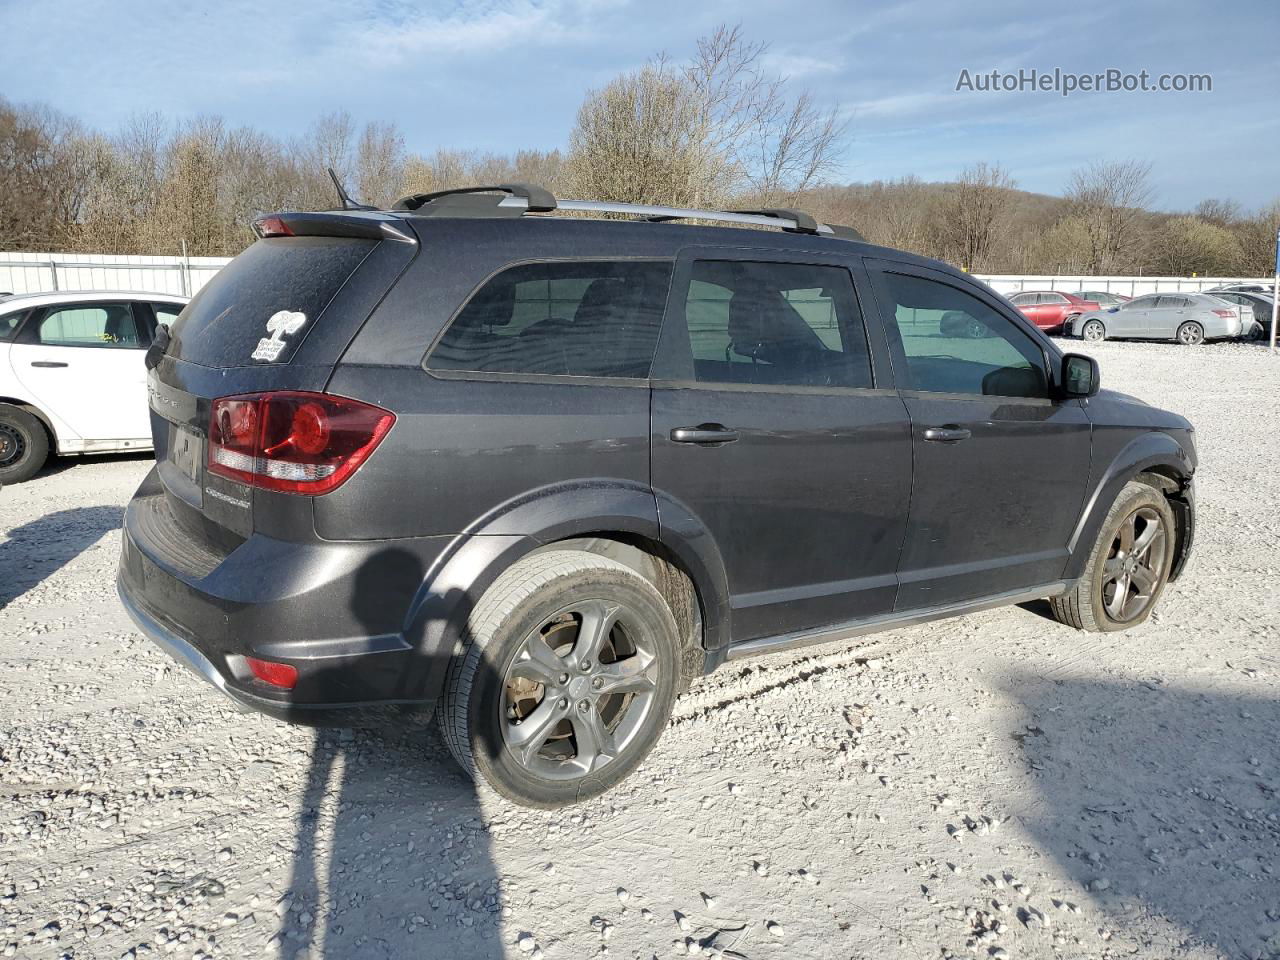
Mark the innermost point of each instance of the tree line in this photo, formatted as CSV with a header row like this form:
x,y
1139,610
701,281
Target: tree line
x,y
717,130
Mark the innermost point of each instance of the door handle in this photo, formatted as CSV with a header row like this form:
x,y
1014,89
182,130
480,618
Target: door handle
x,y
704,433
947,434
48,363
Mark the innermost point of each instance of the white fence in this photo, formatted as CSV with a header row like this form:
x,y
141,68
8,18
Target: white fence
x,y
38,272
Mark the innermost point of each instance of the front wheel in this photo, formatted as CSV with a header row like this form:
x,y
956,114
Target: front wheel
x,y
1094,331
1129,565
566,682
1191,333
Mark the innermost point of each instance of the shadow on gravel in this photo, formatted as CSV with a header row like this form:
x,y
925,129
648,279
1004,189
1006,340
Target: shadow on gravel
x,y
391,856
39,549
1162,799
57,465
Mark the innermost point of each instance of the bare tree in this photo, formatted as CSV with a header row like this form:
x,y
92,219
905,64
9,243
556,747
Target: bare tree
x,y
641,138
1188,245
1107,197
1222,213
696,134
380,162
972,213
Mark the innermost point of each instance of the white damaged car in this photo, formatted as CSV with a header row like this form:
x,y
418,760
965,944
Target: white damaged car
x,y
73,377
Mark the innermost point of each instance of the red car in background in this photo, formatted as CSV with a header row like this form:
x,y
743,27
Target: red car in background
x,y
1051,309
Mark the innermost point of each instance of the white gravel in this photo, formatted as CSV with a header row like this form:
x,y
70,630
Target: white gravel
x,y
999,786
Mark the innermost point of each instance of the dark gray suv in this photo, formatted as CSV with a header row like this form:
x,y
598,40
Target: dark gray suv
x,y
540,471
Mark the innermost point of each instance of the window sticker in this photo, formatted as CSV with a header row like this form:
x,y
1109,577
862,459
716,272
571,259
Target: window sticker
x,y
281,324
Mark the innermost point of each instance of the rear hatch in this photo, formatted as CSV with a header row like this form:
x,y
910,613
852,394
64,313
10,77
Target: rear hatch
x,y
277,318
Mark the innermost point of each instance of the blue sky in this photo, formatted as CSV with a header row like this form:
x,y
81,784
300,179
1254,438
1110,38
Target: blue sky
x,y
504,74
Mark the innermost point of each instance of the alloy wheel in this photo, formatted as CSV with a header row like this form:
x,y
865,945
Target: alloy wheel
x,y
1093,331
1134,568
1190,334
578,690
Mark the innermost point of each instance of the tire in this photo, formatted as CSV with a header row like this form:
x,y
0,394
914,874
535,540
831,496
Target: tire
x,y
24,445
1092,604
502,679
1093,331
1190,333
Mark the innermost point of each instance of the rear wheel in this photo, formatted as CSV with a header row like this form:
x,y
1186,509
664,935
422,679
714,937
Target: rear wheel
x,y
1190,333
24,445
1129,565
1093,331
567,681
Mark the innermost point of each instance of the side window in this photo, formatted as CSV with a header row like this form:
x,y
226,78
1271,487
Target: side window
x,y
955,343
1143,303
583,319
9,324
166,313
110,325
775,324
1052,298
1023,299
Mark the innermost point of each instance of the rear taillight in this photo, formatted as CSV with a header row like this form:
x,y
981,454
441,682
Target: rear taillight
x,y
293,442
1225,313
277,674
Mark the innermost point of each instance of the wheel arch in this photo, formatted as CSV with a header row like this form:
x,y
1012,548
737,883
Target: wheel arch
x,y
27,407
1156,459
618,519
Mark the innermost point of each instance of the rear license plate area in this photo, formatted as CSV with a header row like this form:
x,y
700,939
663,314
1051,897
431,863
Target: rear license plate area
x,y
186,452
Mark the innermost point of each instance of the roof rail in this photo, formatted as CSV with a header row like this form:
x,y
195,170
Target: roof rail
x,y
537,199
784,219
522,198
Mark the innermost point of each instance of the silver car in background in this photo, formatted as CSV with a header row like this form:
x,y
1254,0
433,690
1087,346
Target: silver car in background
x,y
1188,318
1261,305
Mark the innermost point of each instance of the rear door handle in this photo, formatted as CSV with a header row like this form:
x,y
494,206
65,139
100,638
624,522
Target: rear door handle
x,y
48,363
947,434
704,433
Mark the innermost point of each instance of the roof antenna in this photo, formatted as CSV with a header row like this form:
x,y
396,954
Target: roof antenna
x,y
345,198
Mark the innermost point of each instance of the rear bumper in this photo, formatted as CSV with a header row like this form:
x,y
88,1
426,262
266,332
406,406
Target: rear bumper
x,y
335,611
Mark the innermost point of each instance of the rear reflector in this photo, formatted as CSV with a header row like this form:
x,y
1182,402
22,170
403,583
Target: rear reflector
x,y
291,441
277,674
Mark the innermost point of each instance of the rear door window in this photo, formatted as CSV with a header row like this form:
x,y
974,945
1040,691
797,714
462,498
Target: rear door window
x,y
225,321
775,324
595,318
98,325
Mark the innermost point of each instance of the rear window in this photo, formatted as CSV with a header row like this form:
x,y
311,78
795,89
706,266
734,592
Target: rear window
x,y
583,319
224,323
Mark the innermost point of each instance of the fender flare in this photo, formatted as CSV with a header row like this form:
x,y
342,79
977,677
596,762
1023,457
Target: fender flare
x,y
435,623
1149,453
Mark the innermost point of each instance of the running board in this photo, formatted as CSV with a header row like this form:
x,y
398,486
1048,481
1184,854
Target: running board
x,y
890,621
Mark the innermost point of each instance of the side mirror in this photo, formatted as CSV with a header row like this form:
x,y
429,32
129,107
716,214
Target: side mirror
x,y
1081,376
1112,309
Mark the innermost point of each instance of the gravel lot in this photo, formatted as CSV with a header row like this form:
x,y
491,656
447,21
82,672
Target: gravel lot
x,y
994,786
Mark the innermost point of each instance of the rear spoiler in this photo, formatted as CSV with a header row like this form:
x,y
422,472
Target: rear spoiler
x,y
333,225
